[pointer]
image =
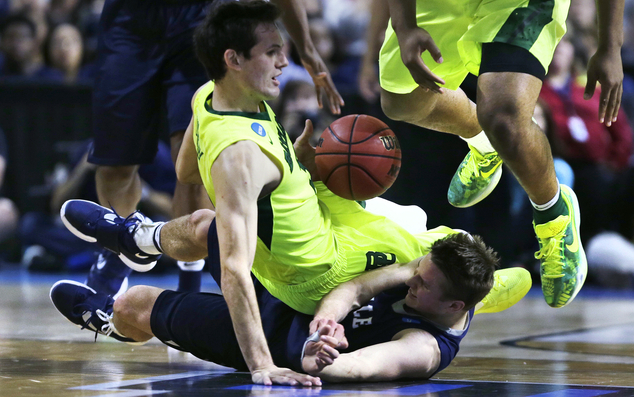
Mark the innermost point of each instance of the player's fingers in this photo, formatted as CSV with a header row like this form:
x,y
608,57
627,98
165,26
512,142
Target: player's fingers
x,y
603,104
615,102
591,85
330,351
434,51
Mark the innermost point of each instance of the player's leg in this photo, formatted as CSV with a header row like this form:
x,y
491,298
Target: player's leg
x,y
133,310
125,99
451,111
182,75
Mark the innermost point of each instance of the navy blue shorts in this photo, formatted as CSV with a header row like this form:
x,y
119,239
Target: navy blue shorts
x,y
199,323
146,72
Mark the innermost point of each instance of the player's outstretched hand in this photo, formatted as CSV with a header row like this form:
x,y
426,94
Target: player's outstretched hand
x,y
305,152
283,376
413,42
323,81
606,67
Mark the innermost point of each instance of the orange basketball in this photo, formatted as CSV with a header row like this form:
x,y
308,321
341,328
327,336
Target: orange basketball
x,y
358,157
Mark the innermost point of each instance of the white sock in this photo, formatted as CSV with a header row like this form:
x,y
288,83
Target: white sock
x,y
544,207
148,238
480,142
194,266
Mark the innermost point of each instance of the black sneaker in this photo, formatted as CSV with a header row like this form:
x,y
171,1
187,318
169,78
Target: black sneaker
x,y
109,275
96,224
84,307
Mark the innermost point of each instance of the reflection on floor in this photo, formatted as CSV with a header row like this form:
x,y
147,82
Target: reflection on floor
x,y
583,350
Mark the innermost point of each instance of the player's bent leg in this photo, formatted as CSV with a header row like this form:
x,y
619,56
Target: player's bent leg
x,y
133,310
450,112
87,309
185,238
506,102
510,286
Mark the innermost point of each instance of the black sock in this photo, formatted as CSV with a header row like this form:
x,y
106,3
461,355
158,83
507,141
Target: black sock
x,y
551,213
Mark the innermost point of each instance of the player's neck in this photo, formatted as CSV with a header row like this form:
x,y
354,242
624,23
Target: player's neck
x,y
452,320
227,98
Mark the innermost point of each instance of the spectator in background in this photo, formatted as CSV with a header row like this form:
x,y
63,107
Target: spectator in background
x,y
64,51
36,11
298,103
22,58
50,246
9,215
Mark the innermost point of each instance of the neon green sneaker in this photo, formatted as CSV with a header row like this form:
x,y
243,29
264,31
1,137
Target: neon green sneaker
x,y
475,178
563,262
511,285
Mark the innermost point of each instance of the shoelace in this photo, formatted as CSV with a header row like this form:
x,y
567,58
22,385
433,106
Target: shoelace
x,y
106,329
552,253
474,165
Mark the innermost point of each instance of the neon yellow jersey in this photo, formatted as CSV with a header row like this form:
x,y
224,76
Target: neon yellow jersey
x,y
295,238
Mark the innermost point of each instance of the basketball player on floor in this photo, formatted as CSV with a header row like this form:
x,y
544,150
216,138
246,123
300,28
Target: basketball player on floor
x,y
270,218
146,63
510,44
405,332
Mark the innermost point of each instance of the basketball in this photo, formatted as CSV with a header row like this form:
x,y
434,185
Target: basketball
x,y
358,157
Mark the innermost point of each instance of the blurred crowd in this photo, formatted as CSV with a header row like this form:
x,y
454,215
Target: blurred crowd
x,y
54,42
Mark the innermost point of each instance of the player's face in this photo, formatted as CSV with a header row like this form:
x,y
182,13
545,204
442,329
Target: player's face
x,y
425,293
266,62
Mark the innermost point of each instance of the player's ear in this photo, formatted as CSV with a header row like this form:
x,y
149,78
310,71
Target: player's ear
x,y
456,306
232,59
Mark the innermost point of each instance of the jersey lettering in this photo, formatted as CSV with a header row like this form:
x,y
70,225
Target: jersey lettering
x,y
363,315
199,151
378,259
281,133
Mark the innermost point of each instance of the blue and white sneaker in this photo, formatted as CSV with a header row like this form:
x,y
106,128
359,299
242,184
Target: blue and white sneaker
x,y
96,224
84,307
109,275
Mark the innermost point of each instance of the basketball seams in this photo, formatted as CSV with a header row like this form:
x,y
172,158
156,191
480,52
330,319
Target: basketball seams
x,y
358,154
373,135
350,156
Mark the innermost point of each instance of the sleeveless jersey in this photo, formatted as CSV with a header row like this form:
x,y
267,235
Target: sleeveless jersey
x,y
295,239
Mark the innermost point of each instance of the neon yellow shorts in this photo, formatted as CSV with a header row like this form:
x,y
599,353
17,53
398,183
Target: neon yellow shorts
x,y
364,241
459,27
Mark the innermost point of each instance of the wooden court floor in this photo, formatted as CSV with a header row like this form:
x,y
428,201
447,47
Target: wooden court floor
x,y
583,350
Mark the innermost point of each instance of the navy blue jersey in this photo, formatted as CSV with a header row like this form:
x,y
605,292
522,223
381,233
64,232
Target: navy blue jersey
x,y
384,316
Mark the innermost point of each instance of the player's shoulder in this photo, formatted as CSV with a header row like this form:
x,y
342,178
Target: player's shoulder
x,y
207,87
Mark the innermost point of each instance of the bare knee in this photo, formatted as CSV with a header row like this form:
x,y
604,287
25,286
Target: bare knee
x,y
200,221
135,305
505,126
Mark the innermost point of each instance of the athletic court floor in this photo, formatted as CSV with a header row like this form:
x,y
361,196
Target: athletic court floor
x,y
583,350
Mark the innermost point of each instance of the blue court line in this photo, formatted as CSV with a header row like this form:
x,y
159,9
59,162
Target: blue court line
x,y
300,392
117,386
574,393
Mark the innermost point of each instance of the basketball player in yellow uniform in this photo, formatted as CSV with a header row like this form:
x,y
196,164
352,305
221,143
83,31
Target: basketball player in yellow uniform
x,y
295,236
429,47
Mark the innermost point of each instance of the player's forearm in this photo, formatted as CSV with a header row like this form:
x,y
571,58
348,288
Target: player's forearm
x,y
339,302
403,14
237,288
296,23
610,24
379,15
356,367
